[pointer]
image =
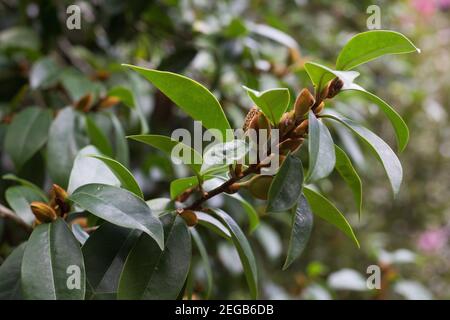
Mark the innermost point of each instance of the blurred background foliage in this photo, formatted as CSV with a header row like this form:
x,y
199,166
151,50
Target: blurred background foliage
x,y
261,44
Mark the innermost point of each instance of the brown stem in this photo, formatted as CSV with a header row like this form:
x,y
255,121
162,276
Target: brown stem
x,y
8,214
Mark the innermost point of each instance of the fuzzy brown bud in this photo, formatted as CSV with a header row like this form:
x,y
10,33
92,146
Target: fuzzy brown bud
x,y
58,200
287,123
43,212
108,102
290,145
189,216
301,129
249,117
85,103
319,108
303,103
334,87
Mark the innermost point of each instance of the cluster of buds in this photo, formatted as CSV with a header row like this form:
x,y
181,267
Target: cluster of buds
x,y
293,128
57,207
86,103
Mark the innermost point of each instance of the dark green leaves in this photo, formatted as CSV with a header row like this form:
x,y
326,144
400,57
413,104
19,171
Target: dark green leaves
x,y
302,223
322,207
348,173
244,250
27,133
119,207
287,185
189,95
380,148
10,287
52,266
370,45
321,150
152,273
273,103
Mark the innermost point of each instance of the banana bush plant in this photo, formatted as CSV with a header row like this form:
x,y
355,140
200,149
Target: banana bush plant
x,y
96,236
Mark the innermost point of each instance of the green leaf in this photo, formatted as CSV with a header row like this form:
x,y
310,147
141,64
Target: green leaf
x,y
399,125
25,183
381,149
184,153
178,186
205,260
122,151
345,168
286,186
51,262
160,206
273,103
244,250
320,75
125,177
302,223
322,207
87,169
62,146
119,207
79,233
208,221
44,73
154,273
367,46
26,134
104,254
19,199
252,215
190,96
10,288
321,150
97,137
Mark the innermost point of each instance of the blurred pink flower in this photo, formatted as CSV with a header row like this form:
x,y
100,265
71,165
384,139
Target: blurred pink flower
x,y
433,240
425,7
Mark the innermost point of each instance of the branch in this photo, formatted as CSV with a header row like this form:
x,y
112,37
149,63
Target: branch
x,y
8,214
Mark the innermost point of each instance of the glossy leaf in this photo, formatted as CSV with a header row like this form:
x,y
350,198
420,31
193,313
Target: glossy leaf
x,y
273,103
210,222
323,208
19,199
25,183
152,273
27,133
346,170
10,286
286,186
302,223
122,152
381,149
87,169
367,46
127,180
51,257
79,233
205,260
321,150
97,137
253,217
62,146
160,206
104,254
119,207
186,154
43,73
244,250
191,96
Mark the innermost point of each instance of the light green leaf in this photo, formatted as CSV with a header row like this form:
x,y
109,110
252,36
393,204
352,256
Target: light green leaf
x,y
10,287
321,150
44,73
27,133
320,75
122,151
348,173
178,186
119,207
253,217
205,260
273,103
161,205
381,149
322,207
62,146
302,223
125,177
286,186
104,254
19,199
182,152
51,256
154,273
191,96
208,221
244,250
367,46
25,183
97,137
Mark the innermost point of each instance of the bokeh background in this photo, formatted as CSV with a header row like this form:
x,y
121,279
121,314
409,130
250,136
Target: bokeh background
x,y
263,44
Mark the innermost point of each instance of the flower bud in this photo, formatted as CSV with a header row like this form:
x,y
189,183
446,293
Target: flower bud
x,y
287,123
108,102
85,103
233,188
303,103
301,129
334,87
263,124
259,186
249,117
43,212
290,145
58,200
81,221
189,216
319,108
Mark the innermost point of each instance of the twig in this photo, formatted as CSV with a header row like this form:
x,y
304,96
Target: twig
x,y
8,214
